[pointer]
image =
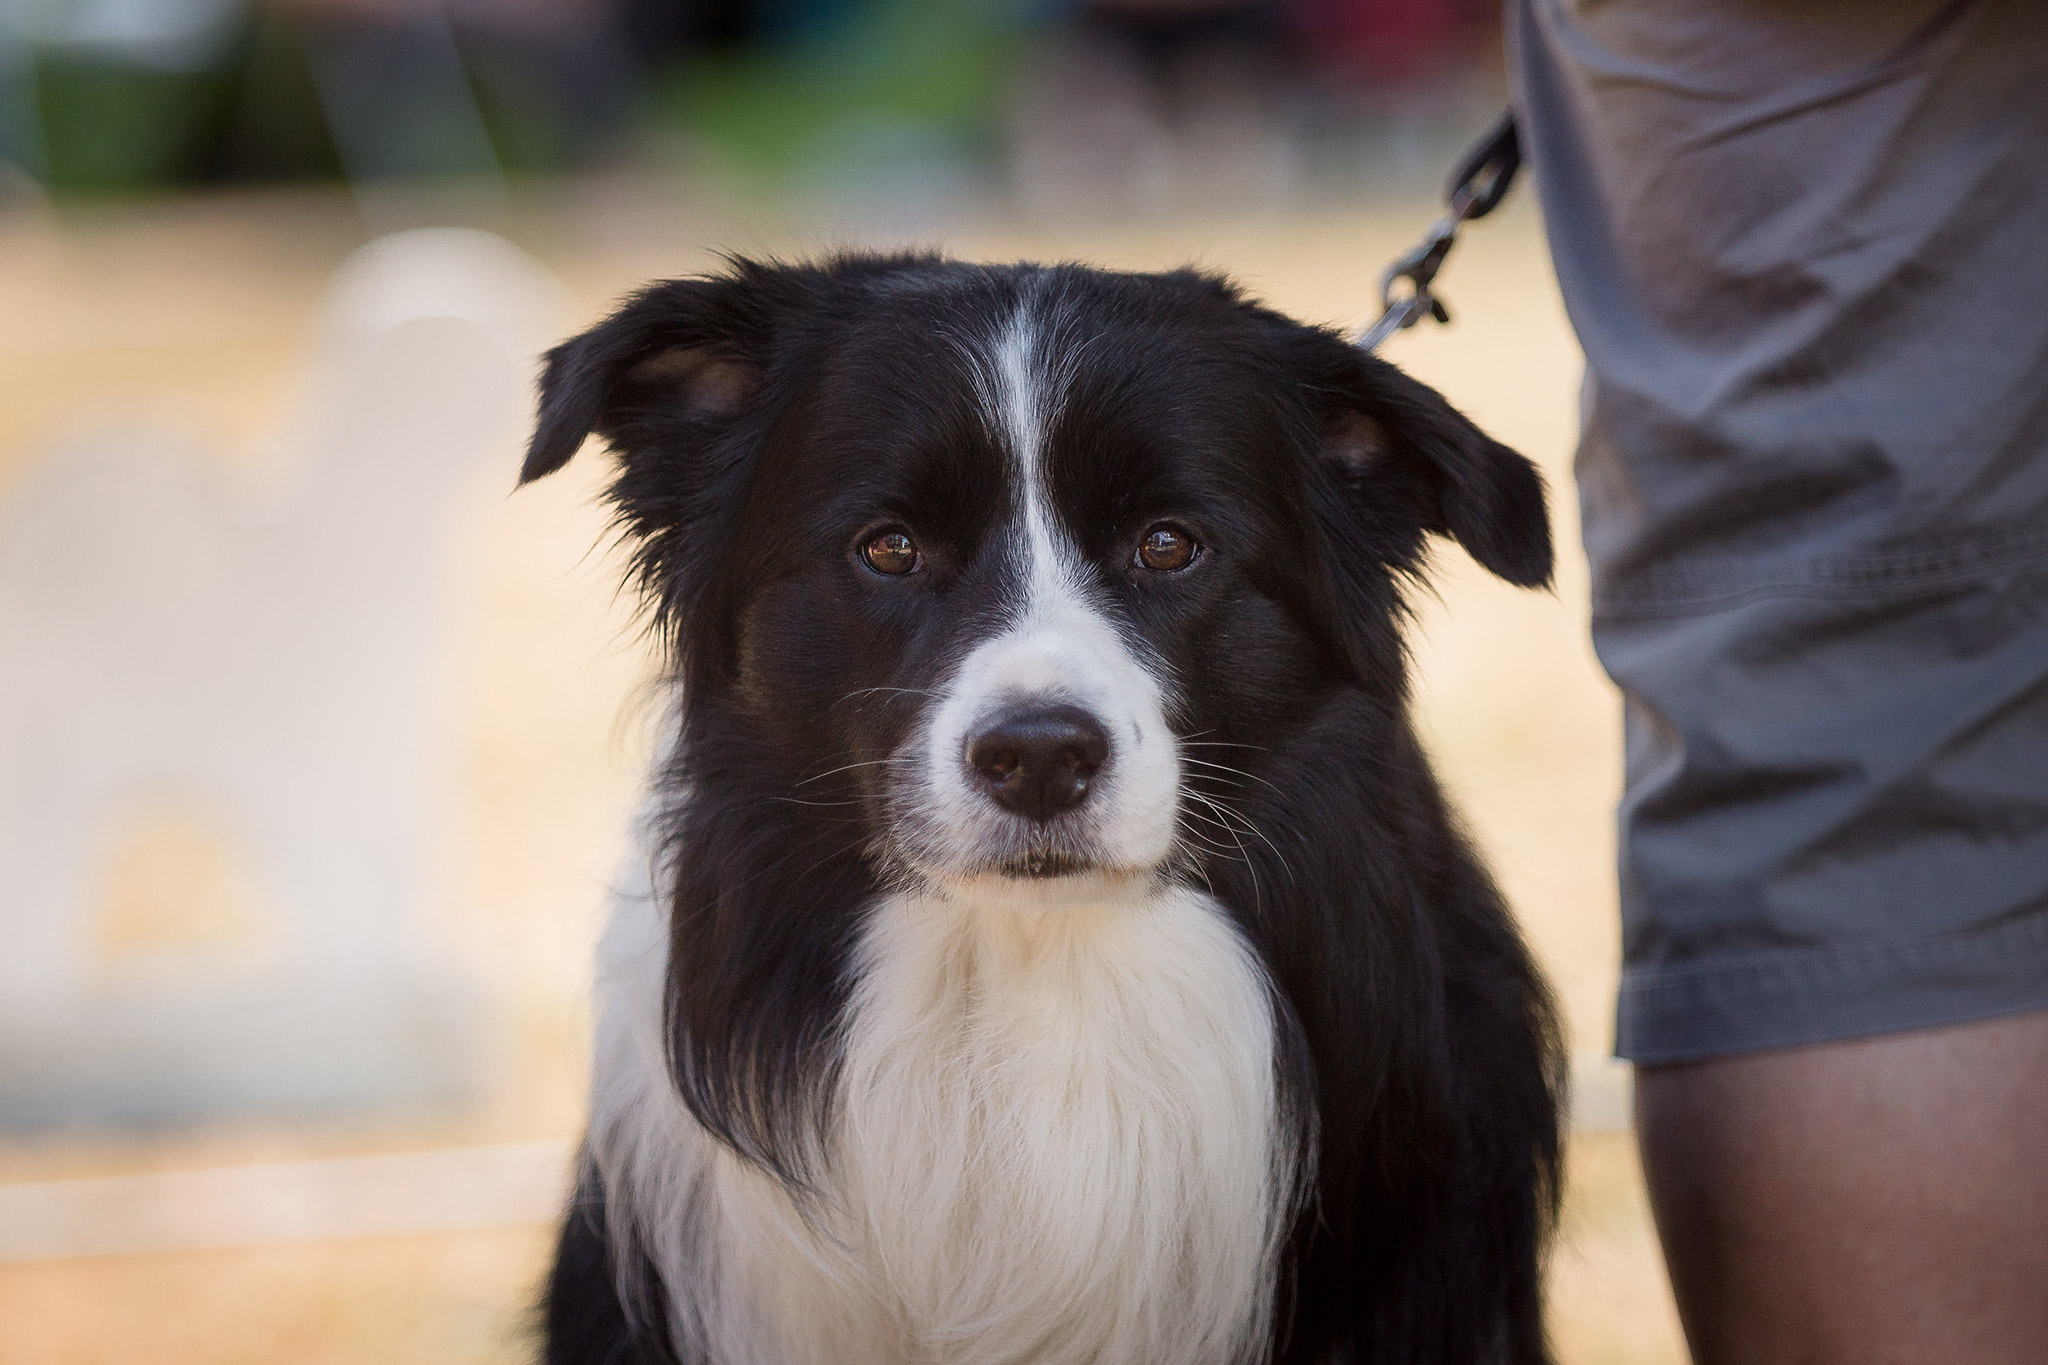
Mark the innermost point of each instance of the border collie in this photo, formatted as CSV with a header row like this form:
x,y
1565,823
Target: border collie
x,y
1062,952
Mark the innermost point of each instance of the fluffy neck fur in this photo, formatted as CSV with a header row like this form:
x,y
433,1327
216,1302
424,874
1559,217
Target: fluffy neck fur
x,y
1056,1137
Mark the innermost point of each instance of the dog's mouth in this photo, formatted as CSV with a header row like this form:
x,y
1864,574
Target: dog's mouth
x,y
1036,862
1040,886
1053,868
1044,865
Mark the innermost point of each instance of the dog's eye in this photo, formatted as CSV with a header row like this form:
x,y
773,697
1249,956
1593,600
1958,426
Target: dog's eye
x,y
891,552
1166,547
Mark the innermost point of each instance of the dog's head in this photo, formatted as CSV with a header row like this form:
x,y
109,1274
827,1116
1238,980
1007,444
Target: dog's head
x,y
1006,566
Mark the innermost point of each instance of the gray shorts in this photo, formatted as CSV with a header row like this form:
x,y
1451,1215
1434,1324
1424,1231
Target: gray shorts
x,y
1805,248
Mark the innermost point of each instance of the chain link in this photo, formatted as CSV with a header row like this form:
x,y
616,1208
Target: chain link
x,y
1478,183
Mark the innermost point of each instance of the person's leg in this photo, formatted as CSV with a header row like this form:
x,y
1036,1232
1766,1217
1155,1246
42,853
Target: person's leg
x,y
1882,1201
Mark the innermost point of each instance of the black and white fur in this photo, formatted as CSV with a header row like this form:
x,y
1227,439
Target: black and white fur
x,y
1240,1058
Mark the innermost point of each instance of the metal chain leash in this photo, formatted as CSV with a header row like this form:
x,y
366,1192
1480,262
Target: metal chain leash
x,y
1478,183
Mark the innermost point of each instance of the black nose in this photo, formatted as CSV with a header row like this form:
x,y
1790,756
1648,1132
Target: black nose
x,y
1039,761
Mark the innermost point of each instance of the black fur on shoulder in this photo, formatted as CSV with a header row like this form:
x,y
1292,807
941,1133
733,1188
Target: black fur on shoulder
x,y
584,1318
766,418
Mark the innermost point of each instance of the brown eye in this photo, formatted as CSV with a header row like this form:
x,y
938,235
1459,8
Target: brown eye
x,y
1166,548
890,552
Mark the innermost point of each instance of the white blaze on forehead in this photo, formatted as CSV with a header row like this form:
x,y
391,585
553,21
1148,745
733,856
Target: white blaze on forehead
x,y
1026,395
1059,644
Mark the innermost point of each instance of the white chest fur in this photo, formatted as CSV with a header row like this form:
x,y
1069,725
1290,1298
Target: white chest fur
x,y
1057,1140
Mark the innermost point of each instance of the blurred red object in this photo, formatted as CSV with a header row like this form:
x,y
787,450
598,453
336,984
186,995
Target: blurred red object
x,y
1386,39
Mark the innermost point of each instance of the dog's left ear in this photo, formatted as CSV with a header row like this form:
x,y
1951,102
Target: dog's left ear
x,y
1389,437
688,353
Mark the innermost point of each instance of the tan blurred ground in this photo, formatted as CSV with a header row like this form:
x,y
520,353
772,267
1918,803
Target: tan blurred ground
x,y
195,312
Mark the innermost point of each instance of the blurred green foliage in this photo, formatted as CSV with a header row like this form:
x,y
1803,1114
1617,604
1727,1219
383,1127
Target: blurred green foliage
x,y
920,71
108,126
831,86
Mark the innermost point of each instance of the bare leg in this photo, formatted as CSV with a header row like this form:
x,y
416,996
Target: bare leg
x,y
1876,1202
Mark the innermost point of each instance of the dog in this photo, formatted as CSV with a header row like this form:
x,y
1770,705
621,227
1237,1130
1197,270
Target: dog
x,y
1059,949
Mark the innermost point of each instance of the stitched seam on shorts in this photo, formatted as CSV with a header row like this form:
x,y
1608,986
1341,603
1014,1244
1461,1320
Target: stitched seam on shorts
x,y
1902,573
1769,973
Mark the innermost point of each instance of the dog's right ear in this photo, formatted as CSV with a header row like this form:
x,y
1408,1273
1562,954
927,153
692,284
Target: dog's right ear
x,y
692,350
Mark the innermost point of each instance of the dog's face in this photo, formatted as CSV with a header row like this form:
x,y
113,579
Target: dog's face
x,y
1014,570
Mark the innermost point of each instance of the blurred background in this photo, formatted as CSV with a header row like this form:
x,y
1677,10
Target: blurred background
x,y
317,744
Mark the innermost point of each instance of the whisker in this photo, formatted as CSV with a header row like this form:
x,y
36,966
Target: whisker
x,y
1227,813
1226,768
849,767
840,851
871,691
1250,869
1212,850
1206,842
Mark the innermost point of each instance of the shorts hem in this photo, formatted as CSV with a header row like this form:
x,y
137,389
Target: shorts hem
x,y
1943,565
1753,1004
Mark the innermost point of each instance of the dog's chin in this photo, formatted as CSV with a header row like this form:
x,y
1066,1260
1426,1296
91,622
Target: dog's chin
x,y
1045,866
1039,881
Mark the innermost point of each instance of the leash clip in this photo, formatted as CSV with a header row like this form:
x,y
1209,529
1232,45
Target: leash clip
x,y
1478,183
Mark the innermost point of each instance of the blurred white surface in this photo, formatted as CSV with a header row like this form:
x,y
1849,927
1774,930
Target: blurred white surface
x,y
454,1190
450,1190
223,710
1603,1094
